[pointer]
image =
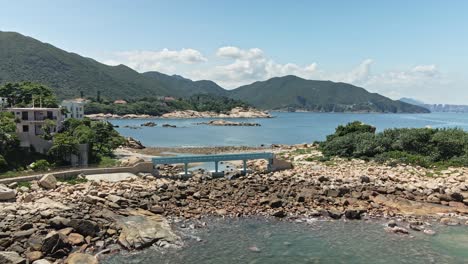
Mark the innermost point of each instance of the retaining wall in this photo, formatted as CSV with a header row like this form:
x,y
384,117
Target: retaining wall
x,y
146,167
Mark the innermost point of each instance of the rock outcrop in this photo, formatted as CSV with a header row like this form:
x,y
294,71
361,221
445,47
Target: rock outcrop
x,y
237,112
6,193
222,122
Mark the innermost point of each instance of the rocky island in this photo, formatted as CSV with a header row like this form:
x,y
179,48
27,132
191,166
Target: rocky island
x,y
237,112
227,123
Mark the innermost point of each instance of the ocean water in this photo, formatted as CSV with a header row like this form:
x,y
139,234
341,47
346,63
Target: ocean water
x,y
265,241
285,128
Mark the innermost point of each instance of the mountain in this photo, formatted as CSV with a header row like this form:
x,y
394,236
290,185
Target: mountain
x,y
438,108
292,92
181,84
26,59
411,101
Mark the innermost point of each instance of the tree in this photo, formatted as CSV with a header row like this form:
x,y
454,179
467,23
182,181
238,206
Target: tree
x,y
64,145
8,139
24,93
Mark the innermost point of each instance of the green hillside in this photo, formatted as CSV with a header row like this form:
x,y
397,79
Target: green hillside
x,y
292,92
26,59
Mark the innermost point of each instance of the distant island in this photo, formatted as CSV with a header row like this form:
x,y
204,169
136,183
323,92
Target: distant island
x,y
71,75
437,108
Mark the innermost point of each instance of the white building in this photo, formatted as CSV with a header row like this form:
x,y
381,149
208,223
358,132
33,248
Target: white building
x,y
3,102
75,108
29,124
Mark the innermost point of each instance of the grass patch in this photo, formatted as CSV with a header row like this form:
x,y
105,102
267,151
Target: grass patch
x,y
24,184
108,162
73,180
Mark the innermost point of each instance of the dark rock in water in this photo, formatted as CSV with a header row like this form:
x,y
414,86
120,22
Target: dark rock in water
x,y
279,213
334,214
55,245
149,124
353,213
397,230
392,223
11,257
85,227
169,125
133,143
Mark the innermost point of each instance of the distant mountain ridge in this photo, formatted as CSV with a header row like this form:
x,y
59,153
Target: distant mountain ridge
x,y
292,92
26,59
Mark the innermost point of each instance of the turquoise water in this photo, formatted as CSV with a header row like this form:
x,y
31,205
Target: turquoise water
x,y
237,241
286,128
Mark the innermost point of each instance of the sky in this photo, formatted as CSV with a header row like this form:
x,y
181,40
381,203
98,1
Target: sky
x,y
416,49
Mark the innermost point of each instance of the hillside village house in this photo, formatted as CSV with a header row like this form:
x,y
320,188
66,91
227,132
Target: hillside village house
x,y
29,128
29,123
75,108
3,102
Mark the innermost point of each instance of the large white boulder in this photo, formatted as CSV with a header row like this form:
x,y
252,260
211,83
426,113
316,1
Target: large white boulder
x,y
48,181
6,193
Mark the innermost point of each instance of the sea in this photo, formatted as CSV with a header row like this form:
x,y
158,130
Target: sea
x,y
264,241
284,128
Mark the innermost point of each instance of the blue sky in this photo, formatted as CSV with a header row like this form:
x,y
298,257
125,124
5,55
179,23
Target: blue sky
x,y
397,48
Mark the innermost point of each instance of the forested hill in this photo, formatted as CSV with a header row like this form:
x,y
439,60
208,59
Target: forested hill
x,y
292,92
26,59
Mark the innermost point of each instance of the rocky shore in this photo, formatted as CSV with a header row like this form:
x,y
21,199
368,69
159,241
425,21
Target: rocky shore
x,y
50,220
237,112
227,123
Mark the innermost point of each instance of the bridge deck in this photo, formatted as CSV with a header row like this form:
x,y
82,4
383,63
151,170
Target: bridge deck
x,y
214,158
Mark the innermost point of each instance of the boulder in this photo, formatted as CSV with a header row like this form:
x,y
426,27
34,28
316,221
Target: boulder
x,y
75,239
48,182
143,229
85,227
276,203
11,257
81,258
132,161
55,245
33,255
6,193
42,261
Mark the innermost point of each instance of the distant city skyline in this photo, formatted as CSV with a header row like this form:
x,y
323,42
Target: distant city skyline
x,y
415,49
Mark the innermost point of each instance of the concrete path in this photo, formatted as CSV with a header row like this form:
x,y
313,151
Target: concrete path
x,y
111,177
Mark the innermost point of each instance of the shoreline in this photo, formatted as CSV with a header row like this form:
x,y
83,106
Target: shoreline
x,y
90,217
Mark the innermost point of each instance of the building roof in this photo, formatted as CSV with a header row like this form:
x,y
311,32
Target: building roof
x,y
33,108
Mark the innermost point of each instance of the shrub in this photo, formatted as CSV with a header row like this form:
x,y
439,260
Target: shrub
x,y
420,146
40,165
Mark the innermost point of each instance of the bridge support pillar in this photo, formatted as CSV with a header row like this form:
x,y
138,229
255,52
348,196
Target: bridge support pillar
x,y
216,166
186,169
270,165
245,166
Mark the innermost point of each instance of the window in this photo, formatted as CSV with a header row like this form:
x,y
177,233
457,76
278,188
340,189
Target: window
x,y
24,116
26,128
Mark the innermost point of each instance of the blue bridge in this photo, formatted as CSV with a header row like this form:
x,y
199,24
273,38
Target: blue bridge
x,y
216,159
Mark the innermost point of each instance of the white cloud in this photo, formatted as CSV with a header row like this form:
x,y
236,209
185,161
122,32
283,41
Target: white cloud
x,y
165,59
233,66
250,65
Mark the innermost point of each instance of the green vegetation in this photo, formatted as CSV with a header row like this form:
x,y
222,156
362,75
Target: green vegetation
x,y
70,75
292,92
27,94
40,165
100,136
425,147
26,59
73,180
154,106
